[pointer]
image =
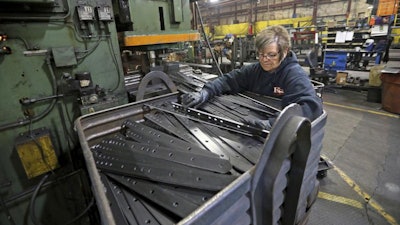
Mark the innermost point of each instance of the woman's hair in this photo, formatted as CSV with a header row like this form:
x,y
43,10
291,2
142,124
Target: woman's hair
x,y
271,34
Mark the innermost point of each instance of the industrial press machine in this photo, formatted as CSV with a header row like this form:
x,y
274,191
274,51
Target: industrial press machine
x,y
60,59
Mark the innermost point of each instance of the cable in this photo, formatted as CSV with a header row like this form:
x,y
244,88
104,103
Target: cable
x,y
21,196
8,214
207,41
66,132
89,51
27,46
91,203
41,150
33,199
110,45
36,221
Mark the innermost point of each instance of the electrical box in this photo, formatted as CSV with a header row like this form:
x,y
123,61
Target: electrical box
x,y
36,152
104,13
85,12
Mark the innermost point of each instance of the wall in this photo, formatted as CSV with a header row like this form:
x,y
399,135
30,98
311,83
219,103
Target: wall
x,y
226,12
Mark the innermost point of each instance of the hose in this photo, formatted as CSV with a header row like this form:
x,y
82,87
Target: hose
x,y
207,41
36,221
32,202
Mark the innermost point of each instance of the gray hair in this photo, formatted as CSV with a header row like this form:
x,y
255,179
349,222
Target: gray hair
x,y
271,34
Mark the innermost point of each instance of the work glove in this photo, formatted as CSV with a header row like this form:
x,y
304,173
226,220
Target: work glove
x,y
262,124
195,99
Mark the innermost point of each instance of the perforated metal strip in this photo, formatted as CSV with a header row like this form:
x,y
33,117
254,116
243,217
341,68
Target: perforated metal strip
x,y
214,144
134,204
115,205
170,173
162,120
175,204
213,119
211,163
145,134
248,147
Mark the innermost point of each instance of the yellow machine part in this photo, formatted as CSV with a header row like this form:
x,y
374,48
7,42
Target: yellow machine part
x,y
295,22
240,29
37,153
152,39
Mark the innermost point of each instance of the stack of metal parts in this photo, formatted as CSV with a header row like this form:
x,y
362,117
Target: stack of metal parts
x,y
168,164
132,81
186,78
161,169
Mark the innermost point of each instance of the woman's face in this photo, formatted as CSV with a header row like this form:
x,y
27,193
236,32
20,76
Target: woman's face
x,y
269,57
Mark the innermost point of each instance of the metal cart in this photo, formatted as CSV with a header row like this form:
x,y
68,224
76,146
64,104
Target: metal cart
x,y
281,187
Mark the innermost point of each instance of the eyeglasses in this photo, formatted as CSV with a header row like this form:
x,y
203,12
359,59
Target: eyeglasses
x,y
268,55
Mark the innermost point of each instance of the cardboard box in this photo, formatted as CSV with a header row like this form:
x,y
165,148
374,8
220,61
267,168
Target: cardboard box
x,y
341,78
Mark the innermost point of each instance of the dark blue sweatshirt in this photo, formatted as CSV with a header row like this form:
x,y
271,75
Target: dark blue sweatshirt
x,y
289,81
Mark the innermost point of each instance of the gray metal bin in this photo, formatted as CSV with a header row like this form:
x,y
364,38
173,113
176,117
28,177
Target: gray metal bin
x,y
256,196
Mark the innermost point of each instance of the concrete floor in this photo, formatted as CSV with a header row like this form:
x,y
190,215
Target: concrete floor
x,y
363,143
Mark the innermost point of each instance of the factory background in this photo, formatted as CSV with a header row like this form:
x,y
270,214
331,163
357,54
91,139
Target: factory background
x,y
87,136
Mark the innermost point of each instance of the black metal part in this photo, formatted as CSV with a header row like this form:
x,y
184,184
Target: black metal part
x,y
266,101
161,217
151,76
204,117
163,197
169,123
232,106
161,171
248,147
220,121
114,204
168,108
251,104
215,145
217,108
196,196
140,150
136,207
141,133
214,109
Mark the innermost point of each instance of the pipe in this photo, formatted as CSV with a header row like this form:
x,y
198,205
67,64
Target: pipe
x,y
265,8
260,8
348,9
42,114
315,13
207,41
17,197
251,11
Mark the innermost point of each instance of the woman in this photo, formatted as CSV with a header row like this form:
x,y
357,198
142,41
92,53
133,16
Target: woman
x,y
277,73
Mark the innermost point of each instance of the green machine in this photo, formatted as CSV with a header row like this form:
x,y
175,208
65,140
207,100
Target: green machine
x,y
60,59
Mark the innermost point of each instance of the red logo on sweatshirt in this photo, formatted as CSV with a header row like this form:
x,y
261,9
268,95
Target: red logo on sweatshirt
x,y
278,91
